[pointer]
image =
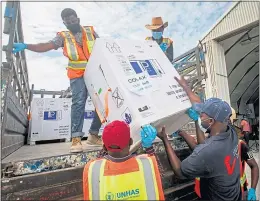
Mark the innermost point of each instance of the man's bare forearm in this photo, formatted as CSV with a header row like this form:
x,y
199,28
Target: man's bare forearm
x,y
189,140
41,47
173,158
192,96
199,134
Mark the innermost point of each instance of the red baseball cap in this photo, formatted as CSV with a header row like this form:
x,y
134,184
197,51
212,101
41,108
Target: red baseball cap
x,y
116,133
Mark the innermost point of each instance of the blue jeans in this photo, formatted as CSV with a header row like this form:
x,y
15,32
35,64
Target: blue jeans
x,y
79,97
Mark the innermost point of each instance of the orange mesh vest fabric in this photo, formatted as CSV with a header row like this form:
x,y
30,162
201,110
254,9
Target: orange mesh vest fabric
x,y
74,52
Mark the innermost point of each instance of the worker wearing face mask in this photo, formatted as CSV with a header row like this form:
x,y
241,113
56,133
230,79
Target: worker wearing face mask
x,y
214,160
77,43
245,154
157,27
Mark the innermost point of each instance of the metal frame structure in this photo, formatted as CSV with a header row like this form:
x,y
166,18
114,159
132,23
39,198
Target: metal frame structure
x,y
15,84
43,92
191,65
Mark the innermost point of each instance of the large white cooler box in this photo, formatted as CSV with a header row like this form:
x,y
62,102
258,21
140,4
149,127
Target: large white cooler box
x,y
50,119
134,81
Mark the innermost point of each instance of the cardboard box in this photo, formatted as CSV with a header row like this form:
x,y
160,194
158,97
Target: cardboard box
x,y
143,88
50,119
88,117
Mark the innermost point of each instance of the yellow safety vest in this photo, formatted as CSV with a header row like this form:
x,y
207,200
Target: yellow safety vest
x,y
106,181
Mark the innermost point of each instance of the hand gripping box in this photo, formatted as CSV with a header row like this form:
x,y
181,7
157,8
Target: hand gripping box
x,y
134,81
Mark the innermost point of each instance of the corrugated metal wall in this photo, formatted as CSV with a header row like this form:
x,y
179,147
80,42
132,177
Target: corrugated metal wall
x,y
241,15
217,82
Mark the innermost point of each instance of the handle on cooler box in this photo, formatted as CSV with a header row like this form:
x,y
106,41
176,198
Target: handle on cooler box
x,y
103,119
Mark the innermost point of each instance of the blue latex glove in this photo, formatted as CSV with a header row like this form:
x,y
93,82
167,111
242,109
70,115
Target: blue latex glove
x,y
163,47
251,194
148,135
192,114
17,47
176,134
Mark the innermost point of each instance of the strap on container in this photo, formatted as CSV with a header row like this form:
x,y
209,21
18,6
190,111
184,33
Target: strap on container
x,y
104,119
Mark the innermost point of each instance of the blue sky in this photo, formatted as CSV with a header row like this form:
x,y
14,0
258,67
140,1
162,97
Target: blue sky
x,y
188,22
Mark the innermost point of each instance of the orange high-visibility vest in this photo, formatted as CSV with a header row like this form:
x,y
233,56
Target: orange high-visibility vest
x,y
78,56
167,41
137,178
243,179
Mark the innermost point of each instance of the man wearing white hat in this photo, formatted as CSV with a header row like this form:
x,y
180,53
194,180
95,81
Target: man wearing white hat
x,y
157,27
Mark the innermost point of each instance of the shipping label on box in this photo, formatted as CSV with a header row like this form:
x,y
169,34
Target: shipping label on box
x,y
134,81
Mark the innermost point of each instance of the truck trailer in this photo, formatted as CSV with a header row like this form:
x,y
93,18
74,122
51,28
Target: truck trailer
x,y
48,171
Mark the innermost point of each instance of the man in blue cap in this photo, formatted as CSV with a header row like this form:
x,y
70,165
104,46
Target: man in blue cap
x,y
215,160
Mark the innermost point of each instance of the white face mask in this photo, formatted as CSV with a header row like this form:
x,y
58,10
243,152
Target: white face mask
x,y
204,130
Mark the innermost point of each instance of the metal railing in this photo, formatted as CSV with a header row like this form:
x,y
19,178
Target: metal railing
x,y
15,87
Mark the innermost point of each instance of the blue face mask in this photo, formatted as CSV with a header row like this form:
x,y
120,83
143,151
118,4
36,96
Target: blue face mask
x,y
157,35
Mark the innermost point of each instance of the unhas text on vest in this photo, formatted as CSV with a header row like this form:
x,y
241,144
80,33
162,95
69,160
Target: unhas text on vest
x,y
124,195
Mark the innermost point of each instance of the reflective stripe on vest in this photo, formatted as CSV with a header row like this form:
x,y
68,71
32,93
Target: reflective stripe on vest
x,y
71,47
97,186
77,64
149,177
90,38
243,180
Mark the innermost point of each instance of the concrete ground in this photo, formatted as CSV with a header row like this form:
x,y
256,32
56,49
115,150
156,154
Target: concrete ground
x,y
248,172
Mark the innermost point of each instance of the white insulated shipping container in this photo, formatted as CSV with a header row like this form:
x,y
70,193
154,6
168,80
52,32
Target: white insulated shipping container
x,y
134,81
51,119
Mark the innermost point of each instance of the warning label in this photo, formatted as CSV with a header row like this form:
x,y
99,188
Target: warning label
x,y
118,98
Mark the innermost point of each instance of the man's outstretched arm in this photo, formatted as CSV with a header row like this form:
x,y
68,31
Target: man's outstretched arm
x,y
193,99
192,96
54,44
41,47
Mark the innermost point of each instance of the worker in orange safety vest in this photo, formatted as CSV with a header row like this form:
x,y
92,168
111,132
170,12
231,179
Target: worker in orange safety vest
x,y
77,43
157,27
119,175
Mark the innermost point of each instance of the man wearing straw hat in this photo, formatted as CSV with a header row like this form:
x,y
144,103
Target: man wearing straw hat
x,y
157,27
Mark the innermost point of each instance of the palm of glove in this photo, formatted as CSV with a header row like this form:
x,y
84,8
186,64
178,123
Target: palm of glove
x,y
251,194
148,135
192,114
163,46
17,47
